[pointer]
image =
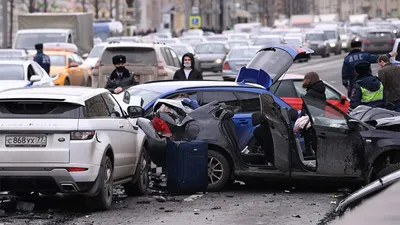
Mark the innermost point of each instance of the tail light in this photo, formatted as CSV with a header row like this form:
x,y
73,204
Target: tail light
x,y
97,66
226,66
366,42
161,69
82,135
391,41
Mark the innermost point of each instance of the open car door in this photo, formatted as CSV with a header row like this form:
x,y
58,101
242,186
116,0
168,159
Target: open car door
x,y
340,148
277,121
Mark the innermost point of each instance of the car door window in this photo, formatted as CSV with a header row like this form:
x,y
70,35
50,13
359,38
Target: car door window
x,y
330,93
96,107
226,97
249,102
324,114
284,89
166,56
112,105
175,58
70,59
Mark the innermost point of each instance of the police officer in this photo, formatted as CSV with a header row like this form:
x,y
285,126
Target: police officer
x,y
355,56
368,89
120,79
42,59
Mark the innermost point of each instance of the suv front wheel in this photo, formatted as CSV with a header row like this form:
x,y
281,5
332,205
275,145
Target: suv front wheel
x,y
138,186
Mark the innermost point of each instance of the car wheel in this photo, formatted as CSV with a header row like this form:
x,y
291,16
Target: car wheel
x,y
388,169
67,82
104,197
218,171
89,82
141,177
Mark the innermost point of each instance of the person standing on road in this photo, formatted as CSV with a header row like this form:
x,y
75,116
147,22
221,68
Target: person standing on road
x,y
42,59
120,79
356,55
390,77
368,89
188,71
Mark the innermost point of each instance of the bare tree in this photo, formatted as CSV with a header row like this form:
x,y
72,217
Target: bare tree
x,y
30,4
96,7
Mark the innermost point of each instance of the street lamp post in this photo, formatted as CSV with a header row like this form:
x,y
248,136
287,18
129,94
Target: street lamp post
x,y
5,23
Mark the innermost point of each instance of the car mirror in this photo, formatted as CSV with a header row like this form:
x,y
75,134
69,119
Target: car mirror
x,y
353,124
343,99
35,78
73,64
84,56
135,111
127,97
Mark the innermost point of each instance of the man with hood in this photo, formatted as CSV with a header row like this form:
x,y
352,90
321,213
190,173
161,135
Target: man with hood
x,y
120,79
356,55
42,59
188,71
368,89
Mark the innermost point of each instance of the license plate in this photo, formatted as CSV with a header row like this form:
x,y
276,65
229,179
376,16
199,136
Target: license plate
x,y
26,140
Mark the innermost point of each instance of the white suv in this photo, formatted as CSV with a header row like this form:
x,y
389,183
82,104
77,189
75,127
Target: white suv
x,y
70,140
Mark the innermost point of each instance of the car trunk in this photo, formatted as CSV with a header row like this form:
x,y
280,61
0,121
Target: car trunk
x,y
379,39
36,131
139,60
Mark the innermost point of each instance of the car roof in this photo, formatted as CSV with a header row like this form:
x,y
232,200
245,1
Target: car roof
x,y
315,32
246,47
71,94
269,36
129,44
168,86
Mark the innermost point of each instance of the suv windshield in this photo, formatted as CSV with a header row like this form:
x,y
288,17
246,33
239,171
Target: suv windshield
x,y
134,55
210,48
274,62
96,51
314,37
28,41
146,95
330,34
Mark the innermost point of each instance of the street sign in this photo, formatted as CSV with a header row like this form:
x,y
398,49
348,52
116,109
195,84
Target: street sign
x,y
195,22
195,10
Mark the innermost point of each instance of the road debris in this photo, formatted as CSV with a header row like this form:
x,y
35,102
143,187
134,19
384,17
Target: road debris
x,y
216,207
160,199
296,216
25,206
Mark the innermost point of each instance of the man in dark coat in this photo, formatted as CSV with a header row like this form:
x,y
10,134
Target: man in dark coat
x,y
42,59
355,56
368,89
120,79
188,71
389,75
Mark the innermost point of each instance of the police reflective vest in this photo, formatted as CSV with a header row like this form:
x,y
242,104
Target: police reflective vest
x,y
370,96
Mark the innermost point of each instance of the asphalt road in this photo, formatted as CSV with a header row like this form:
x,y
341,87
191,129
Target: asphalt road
x,y
238,205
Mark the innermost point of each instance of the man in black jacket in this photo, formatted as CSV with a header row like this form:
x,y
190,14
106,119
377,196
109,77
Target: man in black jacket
x,y
120,79
188,72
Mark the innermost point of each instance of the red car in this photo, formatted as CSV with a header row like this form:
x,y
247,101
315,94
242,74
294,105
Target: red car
x,y
290,90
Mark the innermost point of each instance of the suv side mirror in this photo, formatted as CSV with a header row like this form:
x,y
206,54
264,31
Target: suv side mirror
x,y
353,124
135,111
35,78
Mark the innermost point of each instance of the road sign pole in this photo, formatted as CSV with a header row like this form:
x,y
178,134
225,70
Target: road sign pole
x,y
5,23
187,13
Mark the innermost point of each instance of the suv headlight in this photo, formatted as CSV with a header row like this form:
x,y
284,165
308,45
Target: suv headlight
x,y
218,61
332,44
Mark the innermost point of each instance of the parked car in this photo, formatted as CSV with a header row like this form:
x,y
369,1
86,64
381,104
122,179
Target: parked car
x,y
15,73
378,41
290,89
147,61
73,140
237,58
